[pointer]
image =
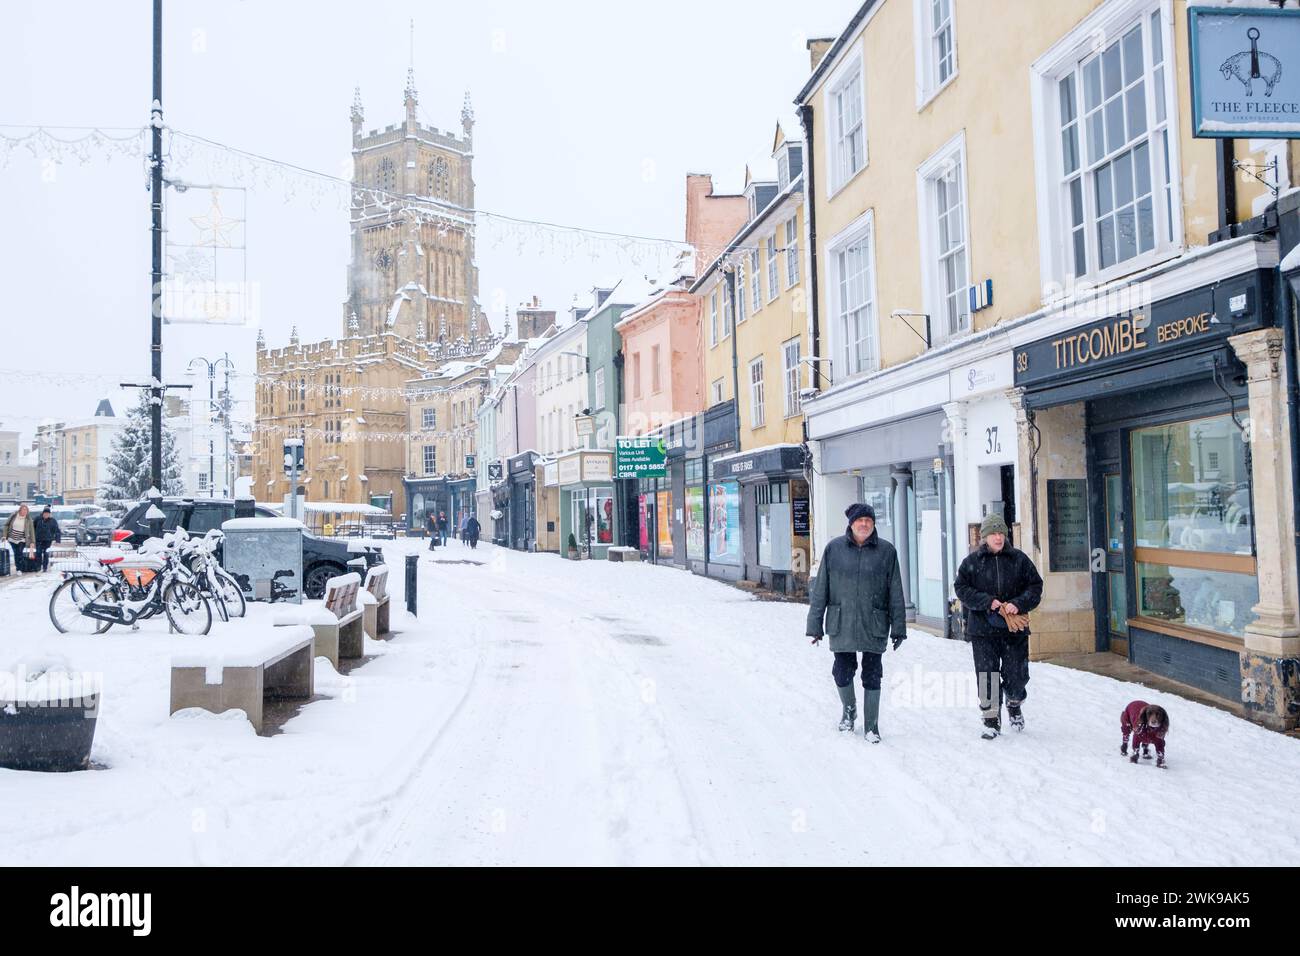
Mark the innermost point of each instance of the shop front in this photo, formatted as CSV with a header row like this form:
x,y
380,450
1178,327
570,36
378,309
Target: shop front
x,y
904,470
522,533
759,516
425,496
1142,437
499,515
460,502
549,538
589,520
714,435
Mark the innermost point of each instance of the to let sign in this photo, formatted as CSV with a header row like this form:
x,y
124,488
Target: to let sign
x,y
640,458
1245,72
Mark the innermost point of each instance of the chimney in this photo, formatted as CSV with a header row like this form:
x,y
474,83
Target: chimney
x,y
817,48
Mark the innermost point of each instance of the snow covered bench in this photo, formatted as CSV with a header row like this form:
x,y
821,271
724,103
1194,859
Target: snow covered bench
x,y
375,601
324,626
624,554
341,601
249,664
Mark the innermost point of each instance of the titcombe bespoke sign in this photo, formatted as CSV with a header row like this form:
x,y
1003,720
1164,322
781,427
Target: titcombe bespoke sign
x,y
1119,340
1245,72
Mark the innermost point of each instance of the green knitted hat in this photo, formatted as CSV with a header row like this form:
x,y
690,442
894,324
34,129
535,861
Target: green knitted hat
x,y
992,524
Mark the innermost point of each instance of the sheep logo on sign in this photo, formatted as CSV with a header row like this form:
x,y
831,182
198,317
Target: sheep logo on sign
x,y
1249,65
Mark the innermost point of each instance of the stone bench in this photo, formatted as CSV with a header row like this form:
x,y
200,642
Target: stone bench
x,y
248,665
624,554
341,601
324,626
375,601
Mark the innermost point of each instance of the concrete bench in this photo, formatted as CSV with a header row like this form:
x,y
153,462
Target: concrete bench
x,y
324,626
624,554
341,601
247,666
375,602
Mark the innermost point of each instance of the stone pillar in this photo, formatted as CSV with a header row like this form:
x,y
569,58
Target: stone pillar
x,y
902,477
1064,623
961,505
1270,660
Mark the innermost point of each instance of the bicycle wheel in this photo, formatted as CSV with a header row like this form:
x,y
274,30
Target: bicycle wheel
x,y
231,594
187,609
69,600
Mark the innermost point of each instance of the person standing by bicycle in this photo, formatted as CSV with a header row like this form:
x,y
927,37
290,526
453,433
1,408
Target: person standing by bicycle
x,y
47,533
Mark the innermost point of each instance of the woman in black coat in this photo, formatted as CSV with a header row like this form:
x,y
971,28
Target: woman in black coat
x,y
994,581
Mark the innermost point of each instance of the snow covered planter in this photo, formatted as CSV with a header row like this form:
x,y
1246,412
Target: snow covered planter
x,y
47,716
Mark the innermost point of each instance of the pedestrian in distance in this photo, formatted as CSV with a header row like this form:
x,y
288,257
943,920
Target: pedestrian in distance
x,y
998,586
857,601
47,533
463,519
20,535
1148,723
431,525
442,528
472,529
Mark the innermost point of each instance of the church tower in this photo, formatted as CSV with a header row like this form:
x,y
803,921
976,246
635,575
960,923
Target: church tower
x,y
412,227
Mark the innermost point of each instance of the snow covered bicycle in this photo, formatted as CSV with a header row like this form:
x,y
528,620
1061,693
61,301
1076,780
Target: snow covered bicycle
x,y
216,583
128,588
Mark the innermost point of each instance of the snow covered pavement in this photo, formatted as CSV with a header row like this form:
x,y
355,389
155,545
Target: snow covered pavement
x,y
545,711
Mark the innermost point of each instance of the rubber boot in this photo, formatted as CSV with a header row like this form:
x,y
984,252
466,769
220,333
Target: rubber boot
x,y
850,703
871,715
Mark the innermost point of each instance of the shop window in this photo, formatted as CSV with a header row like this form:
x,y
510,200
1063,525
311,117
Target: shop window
x,y
1193,525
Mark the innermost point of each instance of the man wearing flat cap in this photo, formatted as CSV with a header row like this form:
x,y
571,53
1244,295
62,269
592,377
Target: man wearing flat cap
x,y
857,601
998,586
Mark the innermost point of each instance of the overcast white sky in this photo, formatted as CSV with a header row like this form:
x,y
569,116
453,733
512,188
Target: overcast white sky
x,y
587,114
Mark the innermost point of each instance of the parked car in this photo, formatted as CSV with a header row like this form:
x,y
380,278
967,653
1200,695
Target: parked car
x,y
322,558
95,529
69,516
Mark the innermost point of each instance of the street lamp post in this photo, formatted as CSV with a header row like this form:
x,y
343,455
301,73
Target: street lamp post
x,y
215,412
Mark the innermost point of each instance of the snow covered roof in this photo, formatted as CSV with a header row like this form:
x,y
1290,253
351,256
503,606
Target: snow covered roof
x,y
348,507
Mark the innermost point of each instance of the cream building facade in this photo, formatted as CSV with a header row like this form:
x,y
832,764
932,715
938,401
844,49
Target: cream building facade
x,y
966,264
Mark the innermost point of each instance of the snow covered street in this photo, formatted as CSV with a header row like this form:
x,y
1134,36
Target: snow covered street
x,y
542,711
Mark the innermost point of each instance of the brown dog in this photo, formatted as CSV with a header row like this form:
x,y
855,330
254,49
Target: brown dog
x,y
1148,724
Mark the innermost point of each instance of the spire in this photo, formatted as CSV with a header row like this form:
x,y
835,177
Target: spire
x,y
467,115
354,327
411,98
358,112
293,336
420,335
261,341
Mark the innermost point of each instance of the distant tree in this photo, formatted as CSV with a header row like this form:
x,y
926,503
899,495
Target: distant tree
x,y
128,466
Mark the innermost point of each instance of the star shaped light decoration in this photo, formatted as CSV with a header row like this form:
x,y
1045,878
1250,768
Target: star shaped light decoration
x,y
215,227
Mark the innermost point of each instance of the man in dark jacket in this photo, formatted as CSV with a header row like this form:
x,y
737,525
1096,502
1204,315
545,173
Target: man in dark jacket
x,y
47,533
857,600
471,531
994,581
431,525
442,528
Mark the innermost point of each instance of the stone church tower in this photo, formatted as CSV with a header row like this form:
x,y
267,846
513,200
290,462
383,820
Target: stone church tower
x,y
412,268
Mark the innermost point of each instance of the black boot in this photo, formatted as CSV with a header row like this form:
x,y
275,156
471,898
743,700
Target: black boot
x,y
992,727
1017,718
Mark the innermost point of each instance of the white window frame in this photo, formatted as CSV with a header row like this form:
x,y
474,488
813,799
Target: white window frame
x,y
717,390
636,375
725,289
713,317
600,388
928,84
790,375
756,278
849,72
927,175
656,381
430,459
428,418
742,293
862,229
1111,19
791,252
757,398
773,267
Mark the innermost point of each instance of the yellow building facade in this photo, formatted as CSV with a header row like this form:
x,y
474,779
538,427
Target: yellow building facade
x,y
993,188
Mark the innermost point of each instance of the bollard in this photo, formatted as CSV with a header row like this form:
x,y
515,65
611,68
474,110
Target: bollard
x,y
412,562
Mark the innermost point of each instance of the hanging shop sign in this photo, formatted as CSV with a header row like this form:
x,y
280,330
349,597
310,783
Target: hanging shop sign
x,y
640,458
1245,72
799,510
